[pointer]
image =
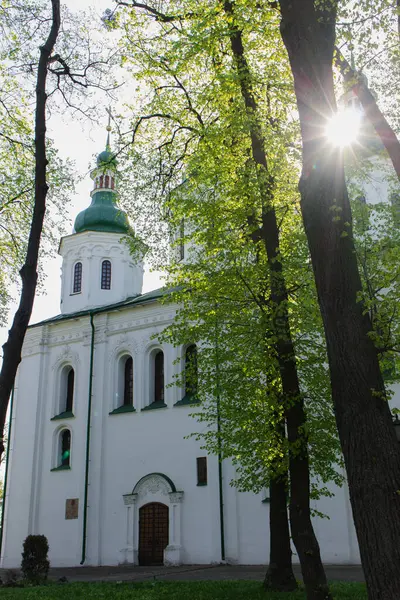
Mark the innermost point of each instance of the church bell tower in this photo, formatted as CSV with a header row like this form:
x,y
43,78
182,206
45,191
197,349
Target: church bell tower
x,y
98,268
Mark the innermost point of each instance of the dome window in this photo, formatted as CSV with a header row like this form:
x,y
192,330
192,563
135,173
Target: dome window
x,y
106,275
77,288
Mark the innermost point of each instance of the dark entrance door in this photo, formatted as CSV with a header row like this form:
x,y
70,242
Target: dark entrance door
x,y
153,533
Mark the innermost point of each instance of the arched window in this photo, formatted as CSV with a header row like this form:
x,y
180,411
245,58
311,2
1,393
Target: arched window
x,y
77,278
70,390
128,382
65,402
65,448
159,376
191,378
123,401
106,275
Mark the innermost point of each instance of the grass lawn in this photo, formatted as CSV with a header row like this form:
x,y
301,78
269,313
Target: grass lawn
x,y
172,590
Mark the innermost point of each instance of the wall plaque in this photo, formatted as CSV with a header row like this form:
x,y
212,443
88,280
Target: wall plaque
x,y
71,508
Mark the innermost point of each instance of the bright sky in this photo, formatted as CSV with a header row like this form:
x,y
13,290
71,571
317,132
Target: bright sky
x,y
81,141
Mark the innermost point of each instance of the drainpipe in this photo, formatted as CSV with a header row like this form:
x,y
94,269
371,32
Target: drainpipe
x,y
89,415
220,486
3,508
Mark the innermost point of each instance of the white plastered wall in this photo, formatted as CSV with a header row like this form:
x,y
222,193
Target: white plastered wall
x,y
91,248
123,449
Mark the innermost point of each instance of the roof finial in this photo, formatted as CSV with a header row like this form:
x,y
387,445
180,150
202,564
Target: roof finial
x,y
108,128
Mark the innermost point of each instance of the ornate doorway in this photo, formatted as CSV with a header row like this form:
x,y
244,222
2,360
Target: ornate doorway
x,y
153,533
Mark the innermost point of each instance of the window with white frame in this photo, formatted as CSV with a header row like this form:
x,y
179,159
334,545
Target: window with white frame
x,y
156,380
62,459
65,402
124,395
158,377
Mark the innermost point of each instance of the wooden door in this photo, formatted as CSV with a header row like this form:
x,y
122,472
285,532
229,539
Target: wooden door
x,y
153,533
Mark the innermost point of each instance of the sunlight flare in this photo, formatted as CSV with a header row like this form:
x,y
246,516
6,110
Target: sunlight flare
x,y
343,128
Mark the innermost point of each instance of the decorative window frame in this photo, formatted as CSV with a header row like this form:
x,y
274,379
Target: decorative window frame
x,y
67,357
119,361
56,462
76,262
149,378
59,388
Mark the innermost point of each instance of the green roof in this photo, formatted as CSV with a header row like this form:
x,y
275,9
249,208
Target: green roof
x,y
132,301
102,215
106,157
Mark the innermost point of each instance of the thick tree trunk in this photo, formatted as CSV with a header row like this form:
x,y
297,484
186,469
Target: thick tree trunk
x,y
279,574
13,346
300,515
371,109
367,437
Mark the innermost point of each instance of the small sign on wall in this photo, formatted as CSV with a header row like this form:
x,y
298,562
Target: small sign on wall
x,y
71,508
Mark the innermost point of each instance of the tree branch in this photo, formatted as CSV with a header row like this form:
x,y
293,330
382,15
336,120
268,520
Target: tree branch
x,y
372,111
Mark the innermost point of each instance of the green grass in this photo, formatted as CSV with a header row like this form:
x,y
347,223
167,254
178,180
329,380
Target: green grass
x,y
174,590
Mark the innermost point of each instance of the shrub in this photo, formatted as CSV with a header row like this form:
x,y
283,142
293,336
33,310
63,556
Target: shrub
x,y
10,578
35,564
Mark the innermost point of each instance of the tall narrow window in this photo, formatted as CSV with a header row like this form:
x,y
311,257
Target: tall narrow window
x,y
65,448
70,391
202,470
191,378
77,278
128,382
106,275
159,377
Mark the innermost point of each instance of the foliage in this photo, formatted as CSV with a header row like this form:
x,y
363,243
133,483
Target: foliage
x,y
79,73
191,145
35,564
192,131
378,250
368,34
199,590
17,173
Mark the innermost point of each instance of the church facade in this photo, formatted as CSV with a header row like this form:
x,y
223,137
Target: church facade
x,y
98,458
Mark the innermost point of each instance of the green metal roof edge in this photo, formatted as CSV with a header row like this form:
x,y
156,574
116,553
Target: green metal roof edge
x,y
139,299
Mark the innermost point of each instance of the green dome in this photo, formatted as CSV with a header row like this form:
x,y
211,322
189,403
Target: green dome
x,y
102,215
106,157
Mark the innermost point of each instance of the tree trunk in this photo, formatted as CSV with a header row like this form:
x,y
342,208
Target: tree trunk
x,y
279,576
363,417
300,515
13,346
371,109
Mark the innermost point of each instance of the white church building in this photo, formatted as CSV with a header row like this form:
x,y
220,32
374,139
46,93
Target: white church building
x,y
98,460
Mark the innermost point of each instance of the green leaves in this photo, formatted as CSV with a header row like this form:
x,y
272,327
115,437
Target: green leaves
x,y
192,148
